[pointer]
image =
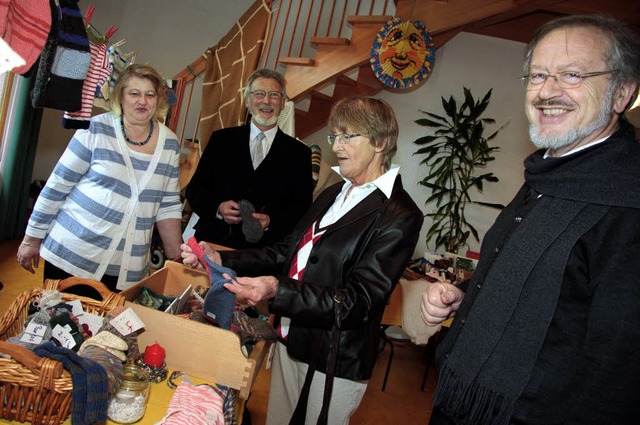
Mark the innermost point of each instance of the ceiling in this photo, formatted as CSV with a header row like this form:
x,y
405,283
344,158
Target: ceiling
x,y
515,20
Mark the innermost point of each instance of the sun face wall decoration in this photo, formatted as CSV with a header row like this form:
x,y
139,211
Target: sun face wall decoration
x,y
403,53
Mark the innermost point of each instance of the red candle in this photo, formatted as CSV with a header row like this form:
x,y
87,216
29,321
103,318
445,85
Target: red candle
x,y
154,355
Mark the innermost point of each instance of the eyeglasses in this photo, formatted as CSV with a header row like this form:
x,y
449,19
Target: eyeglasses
x,y
565,80
343,138
273,95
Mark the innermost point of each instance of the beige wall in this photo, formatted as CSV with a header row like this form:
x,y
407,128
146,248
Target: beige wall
x,y
479,63
169,34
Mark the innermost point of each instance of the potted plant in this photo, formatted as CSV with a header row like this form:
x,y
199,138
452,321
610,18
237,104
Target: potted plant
x,y
454,154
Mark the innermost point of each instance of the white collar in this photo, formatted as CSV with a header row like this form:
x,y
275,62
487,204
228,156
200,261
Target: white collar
x,y
384,182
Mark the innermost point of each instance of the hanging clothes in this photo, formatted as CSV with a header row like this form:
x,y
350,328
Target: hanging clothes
x,y
64,61
25,26
99,71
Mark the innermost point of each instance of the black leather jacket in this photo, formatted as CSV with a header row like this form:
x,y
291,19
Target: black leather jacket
x,y
363,254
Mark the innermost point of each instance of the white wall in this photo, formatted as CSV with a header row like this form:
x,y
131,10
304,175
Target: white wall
x,y
167,34
170,34
479,63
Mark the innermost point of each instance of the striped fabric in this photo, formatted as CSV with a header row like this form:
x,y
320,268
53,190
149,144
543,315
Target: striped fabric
x,y
98,74
95,217
24,26
194,405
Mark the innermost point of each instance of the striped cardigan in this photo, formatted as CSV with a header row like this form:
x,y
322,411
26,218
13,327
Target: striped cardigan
x,y
93,215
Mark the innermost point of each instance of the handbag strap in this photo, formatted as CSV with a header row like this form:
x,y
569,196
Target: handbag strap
x,y
300,413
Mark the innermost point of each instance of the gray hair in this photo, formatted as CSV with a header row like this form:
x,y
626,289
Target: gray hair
x,y
264,73
624,49
370,116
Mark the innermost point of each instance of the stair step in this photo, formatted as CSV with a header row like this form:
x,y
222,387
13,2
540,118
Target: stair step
x,y
297,61
369,19
330,41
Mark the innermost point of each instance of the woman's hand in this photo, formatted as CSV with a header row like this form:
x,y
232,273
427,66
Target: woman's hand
x,y
253,289
190,259
29,254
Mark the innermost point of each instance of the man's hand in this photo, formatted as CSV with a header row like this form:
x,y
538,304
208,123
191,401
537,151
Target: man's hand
x,y
439,302
264,219
230,212
253,289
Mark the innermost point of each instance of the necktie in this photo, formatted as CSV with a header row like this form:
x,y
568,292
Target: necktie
x,y
257,150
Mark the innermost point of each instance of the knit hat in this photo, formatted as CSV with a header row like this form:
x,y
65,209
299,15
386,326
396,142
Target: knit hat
x,y
25,26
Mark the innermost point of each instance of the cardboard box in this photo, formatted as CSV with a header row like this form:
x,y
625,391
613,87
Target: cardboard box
x,y
198,349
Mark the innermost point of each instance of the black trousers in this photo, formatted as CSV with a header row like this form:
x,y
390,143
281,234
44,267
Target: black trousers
x,y
52,272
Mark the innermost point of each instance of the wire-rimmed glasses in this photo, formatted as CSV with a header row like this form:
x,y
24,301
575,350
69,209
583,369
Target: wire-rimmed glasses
x,y
564,80
342,138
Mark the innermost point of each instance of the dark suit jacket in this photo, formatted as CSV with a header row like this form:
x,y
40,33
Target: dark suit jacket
x,y
281,187
363,254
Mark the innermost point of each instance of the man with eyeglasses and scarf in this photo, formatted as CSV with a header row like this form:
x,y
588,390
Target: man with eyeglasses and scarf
x,y
548,329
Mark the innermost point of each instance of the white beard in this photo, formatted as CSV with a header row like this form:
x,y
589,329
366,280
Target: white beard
x,y
570,137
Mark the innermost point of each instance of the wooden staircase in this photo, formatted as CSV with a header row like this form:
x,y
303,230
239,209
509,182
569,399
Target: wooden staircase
x,y
335,60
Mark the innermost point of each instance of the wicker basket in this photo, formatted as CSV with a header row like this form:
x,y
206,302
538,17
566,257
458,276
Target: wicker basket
x,y
32,388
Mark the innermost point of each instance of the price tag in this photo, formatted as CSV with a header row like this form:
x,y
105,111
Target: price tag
x,y
34,333
127,322
63,335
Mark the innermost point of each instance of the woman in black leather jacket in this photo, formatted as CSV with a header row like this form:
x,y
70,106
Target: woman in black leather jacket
x,y
330,279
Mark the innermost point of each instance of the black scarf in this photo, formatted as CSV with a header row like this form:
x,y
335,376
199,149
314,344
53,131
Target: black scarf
x,y
490,355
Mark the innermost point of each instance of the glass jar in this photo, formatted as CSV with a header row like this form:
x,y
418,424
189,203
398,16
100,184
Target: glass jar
x,y
128,404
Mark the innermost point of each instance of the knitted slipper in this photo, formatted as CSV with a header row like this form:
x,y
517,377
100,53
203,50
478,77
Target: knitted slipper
x,y
251,226
219,301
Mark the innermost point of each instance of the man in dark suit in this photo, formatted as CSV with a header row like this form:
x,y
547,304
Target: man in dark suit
x,y
257,163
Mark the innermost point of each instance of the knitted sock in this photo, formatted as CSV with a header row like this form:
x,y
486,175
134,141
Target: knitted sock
x,y
89,397
251,226
219,302
111,364
64,319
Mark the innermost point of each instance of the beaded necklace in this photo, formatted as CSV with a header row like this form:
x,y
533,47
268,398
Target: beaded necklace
x,y
134,142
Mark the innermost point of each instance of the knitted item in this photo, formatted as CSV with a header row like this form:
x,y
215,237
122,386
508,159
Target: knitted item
x,y
253,330
316,162
90,384
251,226
133,351
64,319
25,25
64,61
219,302
111,364
41,318
194,405
108,342
98,73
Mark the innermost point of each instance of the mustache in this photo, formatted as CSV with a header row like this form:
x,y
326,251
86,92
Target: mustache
x,y
552,103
